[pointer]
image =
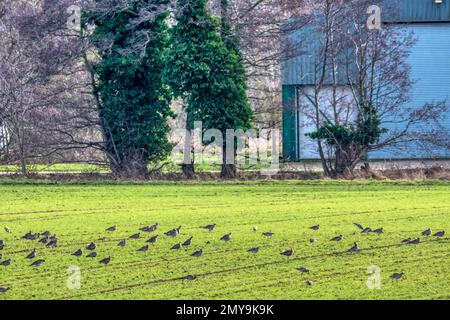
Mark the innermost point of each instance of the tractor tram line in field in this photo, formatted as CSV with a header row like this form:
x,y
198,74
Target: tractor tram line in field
x,y
323,274
139,263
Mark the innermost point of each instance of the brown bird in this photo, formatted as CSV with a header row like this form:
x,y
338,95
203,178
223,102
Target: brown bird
x,y
153,227
78,253
379,231
111,229
31,255
152,239
188,242
37,263
360,227
173,233
143,249
337,238
197,253
122,243
406,241
176,246
226,237
354,249
439,234
253,250
209,227
287,253
6,263
105,261
91,246
397,276
92,254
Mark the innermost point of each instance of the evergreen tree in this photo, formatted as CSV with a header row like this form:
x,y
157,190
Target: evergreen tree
x,y
208,74
134,102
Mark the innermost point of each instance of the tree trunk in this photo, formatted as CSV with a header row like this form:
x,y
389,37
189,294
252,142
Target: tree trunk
x,y
132,166
228,169
188,170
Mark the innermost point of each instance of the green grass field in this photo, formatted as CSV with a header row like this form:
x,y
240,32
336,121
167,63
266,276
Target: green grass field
x,y
80,213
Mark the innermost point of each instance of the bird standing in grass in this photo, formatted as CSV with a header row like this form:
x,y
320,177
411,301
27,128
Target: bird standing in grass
x,y
197,253
92,254
7,230
91,246
2,244
337,238
315,228
37,263
309,283
439,234
415,241
153,239
6,263
406,241
53,242
105,261
379,231
189,277
253,250
176,246
255,228
3,289
397,276
135,236
366,230
188,242
78,253
303,270
153,227
268,234
173,233
313,240
122,243
226,237
209,227
360,227
31,255
427,233
287,253
143,249
111,229
354,249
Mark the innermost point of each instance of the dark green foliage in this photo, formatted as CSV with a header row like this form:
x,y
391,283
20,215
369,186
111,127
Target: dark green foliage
x,y
207,71
135,102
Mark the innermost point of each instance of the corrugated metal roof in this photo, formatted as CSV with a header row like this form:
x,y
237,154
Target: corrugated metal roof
x,y
303,43
415,10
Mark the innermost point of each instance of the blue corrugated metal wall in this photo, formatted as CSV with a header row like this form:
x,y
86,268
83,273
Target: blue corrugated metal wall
x,y
430,67
429,60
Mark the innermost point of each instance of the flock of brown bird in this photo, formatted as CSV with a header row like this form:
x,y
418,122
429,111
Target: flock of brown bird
x,y
51,241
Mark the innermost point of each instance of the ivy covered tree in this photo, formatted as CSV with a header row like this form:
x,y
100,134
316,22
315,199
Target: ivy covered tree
x,y
134,102
206,71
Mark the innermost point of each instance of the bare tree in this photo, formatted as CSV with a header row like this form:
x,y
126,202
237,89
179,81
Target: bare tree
x,y
359,98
